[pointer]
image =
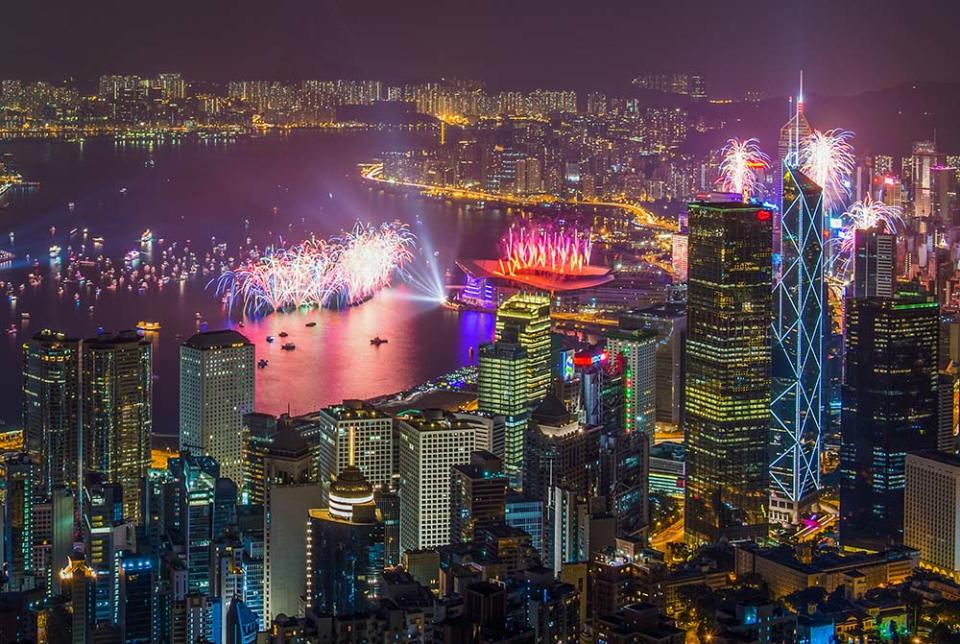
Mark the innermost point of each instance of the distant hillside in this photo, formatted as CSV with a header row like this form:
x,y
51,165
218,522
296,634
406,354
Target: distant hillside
x,y
886,121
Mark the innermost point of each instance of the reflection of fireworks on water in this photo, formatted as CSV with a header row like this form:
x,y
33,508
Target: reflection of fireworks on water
x,y
827,159
345,270
862,215
545,247
742,164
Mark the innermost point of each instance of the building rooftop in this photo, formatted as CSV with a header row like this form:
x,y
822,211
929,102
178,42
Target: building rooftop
x,y
937,456
354,410
111,339
225,339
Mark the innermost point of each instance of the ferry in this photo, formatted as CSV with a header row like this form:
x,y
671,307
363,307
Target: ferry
x,y
146,237
54,251
377,341
98,240
289,346
148,326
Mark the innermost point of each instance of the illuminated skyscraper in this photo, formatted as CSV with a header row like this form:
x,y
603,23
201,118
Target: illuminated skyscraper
x,y
117,412
51,406
372,434
727,402
524,319
796,407
18,522
890,399
502,378
924,159
216,390
477,495
429,447
875,256
344,548
792,134
637,351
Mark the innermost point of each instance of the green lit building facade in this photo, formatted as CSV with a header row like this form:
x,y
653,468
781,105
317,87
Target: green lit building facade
x,y
524,319
502,383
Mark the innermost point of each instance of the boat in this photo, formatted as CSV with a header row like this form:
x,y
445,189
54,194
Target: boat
x,y
54,251
148,326
261,363
98,240
12,329
283,334
377,341
289,346
311,324
270,338
146,237
24,316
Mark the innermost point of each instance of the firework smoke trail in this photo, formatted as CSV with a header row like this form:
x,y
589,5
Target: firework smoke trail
x,y
741,165
544,247
827,159
343,271
862,215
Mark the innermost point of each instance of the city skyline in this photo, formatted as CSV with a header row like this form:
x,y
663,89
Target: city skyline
x,y
489,324
404,43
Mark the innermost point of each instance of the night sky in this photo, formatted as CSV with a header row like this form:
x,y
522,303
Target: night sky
x,y
844,46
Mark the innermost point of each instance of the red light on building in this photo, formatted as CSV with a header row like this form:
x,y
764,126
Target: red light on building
x,y
763,215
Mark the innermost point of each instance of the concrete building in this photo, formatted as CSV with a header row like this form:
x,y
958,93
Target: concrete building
x,y
216,390
430,445
931,510
372,433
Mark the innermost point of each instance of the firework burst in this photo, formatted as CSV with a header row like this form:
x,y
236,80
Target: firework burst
x,y
345,270
742,165
862,215
827,159
545,247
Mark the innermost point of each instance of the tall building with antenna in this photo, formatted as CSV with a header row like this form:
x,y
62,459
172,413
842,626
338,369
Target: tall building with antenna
x,y
797,400
796,405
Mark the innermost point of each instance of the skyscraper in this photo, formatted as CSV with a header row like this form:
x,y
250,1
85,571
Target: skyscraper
x,y
637,351
524,319
875,255
924,159
931,523
344,548
194,496
890,399
368,430
429,447
477,495
216,390
796,407
51,406
18,522
792,135
727,402
502,383
118,412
